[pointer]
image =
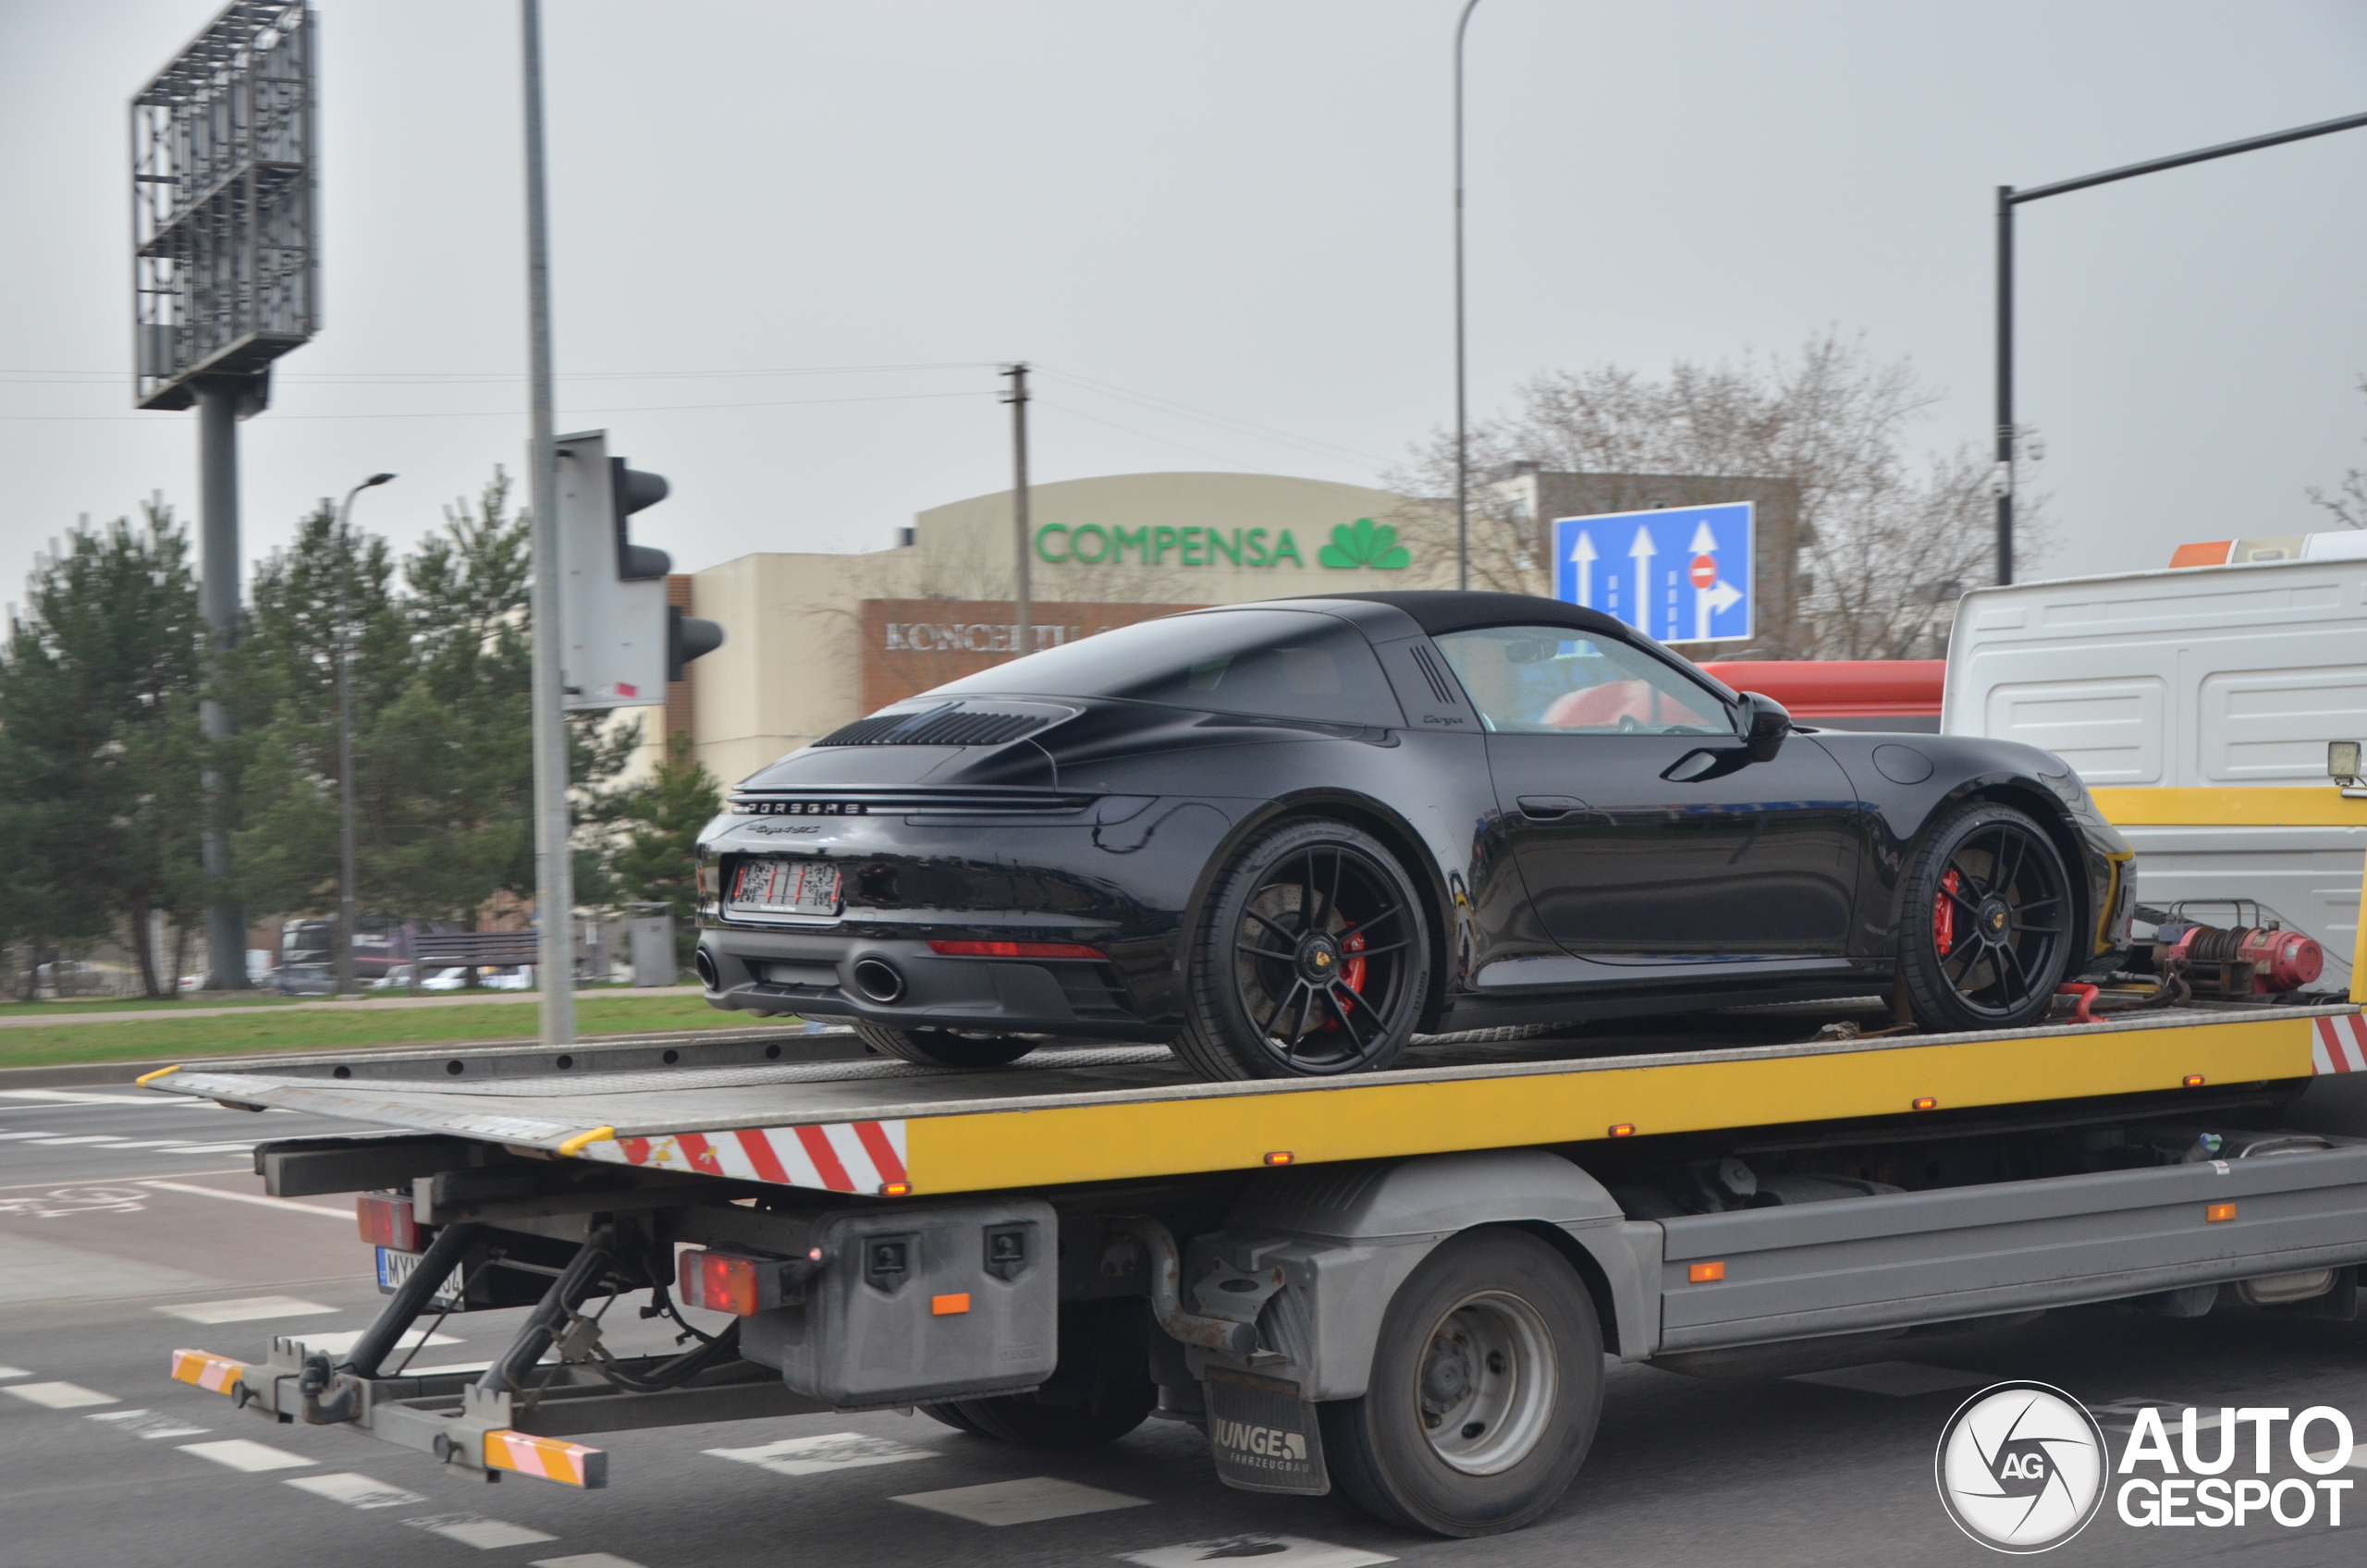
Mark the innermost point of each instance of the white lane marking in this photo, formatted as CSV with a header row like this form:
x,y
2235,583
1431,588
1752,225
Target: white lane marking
x,y
239,1454
14,1372
831,1450
354,1492
1282,1552
246,1309
586,1560
1022,1502
242,1146
344,1214
176,1145
81,1138
12,1137
476,1530
59,1396
147,1423
1899,1380
339,1342
67,1096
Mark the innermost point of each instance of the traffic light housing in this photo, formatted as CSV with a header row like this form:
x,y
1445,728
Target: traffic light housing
x,y
621,642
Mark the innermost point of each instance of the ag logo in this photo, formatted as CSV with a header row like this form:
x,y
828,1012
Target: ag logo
x,y
2022,1467
1365,543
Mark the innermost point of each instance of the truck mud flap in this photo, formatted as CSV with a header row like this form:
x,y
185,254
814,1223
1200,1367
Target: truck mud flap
x,y
1761,1274
1263,1435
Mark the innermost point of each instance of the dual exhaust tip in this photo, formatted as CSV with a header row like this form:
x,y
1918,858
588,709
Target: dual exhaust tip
x,y
876,978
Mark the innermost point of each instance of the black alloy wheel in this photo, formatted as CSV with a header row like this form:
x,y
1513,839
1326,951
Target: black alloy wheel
x,y
944,1048
1986,933
1311,960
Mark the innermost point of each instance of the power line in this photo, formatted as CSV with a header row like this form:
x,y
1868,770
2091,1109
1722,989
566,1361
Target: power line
x,y
1203,451
1156,404
519,413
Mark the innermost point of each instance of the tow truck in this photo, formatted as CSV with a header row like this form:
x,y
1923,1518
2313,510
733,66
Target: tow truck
x,y
1401,1285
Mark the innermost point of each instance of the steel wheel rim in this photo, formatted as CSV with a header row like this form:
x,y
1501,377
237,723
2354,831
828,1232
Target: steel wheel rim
x,y
1321,958
1485,1389
2000,918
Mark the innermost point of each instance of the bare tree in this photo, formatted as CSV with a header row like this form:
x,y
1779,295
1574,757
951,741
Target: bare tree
x,y
1890,535
2350,503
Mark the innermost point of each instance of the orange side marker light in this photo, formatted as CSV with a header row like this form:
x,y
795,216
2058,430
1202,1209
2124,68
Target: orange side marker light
x,y
1925,1102
2217,1212
1703,1273
947,1306
2192,1081
895,1189
1279,1157
1623,1129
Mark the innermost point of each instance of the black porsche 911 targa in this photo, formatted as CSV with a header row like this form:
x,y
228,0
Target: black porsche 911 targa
x,y
1284,838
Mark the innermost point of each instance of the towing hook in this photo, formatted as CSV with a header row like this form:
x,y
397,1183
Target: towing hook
x,y
314,1381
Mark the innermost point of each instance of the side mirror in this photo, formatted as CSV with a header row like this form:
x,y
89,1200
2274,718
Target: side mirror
x,y
1763,722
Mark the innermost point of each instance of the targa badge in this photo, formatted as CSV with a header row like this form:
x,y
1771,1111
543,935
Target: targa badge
x,y
2022,1467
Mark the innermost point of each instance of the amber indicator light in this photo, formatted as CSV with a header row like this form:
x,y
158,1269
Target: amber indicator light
x,y
895,1189
1623,1129
2219,1211
946,1306
2193,1081
1279,1157
1703,1273
1925,1102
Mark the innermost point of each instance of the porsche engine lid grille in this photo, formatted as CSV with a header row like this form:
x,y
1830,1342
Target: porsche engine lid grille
x,y
937,727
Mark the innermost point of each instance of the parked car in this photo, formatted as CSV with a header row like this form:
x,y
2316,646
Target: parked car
x,y
304,980
1285,836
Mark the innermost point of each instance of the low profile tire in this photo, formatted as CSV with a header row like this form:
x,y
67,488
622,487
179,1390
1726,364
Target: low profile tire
x,y
944,1048
1484,1391
1312,958
1986,929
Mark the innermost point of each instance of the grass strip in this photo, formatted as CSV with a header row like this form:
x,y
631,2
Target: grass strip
x,y
268,1029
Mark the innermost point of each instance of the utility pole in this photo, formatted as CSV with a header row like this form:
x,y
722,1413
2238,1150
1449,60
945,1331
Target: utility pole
x,y
1024,636
554,874
345,900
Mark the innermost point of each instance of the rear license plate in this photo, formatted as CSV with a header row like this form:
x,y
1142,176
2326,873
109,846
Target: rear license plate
x,y
783,887
394,1268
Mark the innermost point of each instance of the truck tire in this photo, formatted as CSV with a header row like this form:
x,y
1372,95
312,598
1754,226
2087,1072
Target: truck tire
x,y
1986,927
951,1416
1484,1391
1100,1391
1311,958
944,1048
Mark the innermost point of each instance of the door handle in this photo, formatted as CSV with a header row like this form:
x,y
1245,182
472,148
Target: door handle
x,y
1545,808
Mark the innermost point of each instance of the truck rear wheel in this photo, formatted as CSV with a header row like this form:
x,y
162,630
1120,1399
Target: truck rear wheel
x,y
1312,959
943,1048
1484,1391
1986,933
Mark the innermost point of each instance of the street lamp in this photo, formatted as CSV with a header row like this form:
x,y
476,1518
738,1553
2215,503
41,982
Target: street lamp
x,y
1462,436
2007,200
345,734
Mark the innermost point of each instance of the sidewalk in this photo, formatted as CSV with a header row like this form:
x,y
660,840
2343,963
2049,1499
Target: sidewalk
x,y
473,998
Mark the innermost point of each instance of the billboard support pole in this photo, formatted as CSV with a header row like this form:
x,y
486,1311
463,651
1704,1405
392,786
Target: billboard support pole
x,y
1023,591
217,511
554,874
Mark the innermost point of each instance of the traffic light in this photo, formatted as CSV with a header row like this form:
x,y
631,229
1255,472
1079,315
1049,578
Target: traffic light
x,y
623,640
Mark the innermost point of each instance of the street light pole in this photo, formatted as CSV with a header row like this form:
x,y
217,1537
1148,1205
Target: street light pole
x,y
1462,409
2007,200
344,917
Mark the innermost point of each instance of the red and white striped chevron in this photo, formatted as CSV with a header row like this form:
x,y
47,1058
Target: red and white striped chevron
x,y
836,1157
2341,1045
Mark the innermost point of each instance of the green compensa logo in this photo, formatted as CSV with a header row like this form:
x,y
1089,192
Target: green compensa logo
x,y
1361,544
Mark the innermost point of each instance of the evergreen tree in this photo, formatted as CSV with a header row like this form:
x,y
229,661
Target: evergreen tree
x,y
656,825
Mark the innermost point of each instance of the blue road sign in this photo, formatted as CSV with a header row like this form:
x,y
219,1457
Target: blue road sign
x,y
1681,574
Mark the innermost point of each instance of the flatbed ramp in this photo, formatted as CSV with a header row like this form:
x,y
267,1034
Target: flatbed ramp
x,y
1107,1114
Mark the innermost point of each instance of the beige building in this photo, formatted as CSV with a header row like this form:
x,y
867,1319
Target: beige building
x,y
814,641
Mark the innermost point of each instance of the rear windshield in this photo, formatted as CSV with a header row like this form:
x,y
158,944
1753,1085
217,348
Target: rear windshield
x,y
1278,664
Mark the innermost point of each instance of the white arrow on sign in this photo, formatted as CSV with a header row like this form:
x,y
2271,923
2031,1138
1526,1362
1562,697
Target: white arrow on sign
x,y
1704,542
1584,554
1641,552
1707,602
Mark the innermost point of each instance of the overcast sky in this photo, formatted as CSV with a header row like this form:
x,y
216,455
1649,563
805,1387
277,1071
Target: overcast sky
x,y
1221,231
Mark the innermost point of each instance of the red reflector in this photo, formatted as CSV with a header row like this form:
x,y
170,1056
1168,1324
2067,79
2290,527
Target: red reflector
x,y
1015,949
385,1219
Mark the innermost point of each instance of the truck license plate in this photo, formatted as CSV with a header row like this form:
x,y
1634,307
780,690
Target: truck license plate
x,y
394,1268
774,886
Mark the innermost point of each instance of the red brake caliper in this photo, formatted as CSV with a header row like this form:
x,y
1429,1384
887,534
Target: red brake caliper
x,y
1352,974
1943,913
